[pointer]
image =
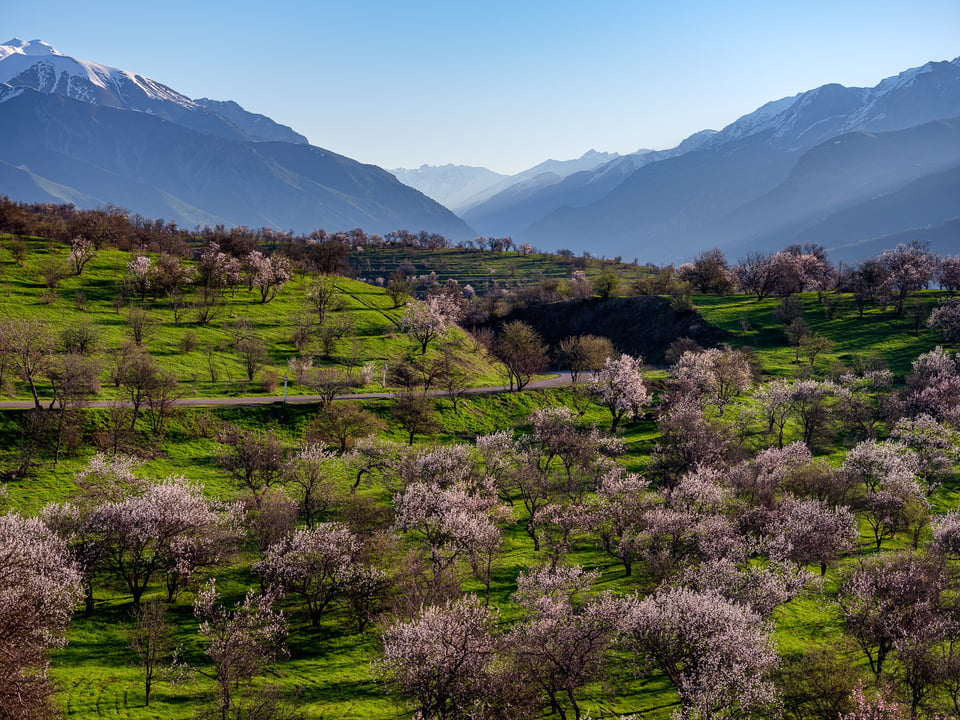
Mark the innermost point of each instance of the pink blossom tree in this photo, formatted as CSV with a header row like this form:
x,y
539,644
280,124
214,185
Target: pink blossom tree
x,y
318,564
718,655
39,588
442,660
431,319
616,515
715,374
619,387
809,531
910,267
267,274
888,598
241,643
561,644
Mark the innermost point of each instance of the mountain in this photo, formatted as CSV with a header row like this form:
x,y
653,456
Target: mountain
x,y
736,188
78,132
462,187
450,185
513,209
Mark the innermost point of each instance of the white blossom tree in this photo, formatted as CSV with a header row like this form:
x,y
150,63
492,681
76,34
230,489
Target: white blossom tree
x,y
619,387
241,643
718,655
442,659
431,319
39,588
267,274
318,564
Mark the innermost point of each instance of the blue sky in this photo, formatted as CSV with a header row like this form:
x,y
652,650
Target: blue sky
x,y
499,84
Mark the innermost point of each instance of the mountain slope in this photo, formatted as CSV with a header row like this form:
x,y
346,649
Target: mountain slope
x,y
160,169
78,132
669,209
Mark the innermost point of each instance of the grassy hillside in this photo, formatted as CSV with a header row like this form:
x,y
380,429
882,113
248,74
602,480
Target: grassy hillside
x,y
328,670
203,356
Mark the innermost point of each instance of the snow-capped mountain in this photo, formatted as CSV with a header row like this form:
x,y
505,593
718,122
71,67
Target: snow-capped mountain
x,y
38,65
78,132
703,192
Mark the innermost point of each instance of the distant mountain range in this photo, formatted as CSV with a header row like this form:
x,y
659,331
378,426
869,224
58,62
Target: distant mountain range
x,y
855,169
850,168
78,132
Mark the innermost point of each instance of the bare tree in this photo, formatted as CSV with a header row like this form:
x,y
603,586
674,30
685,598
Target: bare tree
x,y
152,639
522,351
29,346
253,458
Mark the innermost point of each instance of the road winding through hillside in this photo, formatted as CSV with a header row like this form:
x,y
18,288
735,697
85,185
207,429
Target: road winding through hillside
x,y
556,380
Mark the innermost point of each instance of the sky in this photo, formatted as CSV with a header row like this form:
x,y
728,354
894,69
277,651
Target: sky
x,y
499,84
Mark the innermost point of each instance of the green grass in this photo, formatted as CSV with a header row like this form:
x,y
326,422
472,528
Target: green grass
x,y
483,270
879,332
211,368
329,669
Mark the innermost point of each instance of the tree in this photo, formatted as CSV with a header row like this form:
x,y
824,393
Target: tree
x,y
886,599
522,351
342,423
267,274
561,644
809,531
754,273
455,522
605,285
253,355
158,530
709,273
946,318
716,374
74,379
39,588
82,251
617,515
318,564
619,387
140,269
29,346
910,267
442,659
310,472
241,643
814,344
399,289
934,386
430,320
416,414
870,284
254,458
152,639
585,353
718,655
324,297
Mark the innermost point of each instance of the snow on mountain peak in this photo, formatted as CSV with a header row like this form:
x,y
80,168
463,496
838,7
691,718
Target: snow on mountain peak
x,y
35,48
39,65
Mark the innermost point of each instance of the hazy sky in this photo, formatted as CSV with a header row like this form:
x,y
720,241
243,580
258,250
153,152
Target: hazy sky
x,y
494,83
